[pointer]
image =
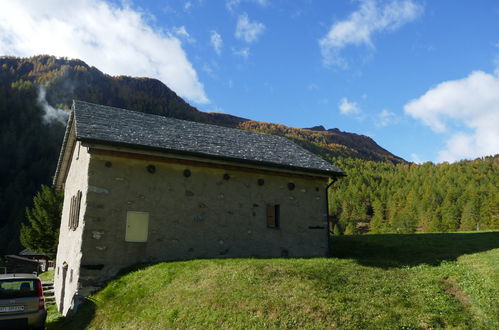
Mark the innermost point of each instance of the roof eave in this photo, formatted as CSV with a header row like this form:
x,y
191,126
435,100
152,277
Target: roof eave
x,y
330,174
65,153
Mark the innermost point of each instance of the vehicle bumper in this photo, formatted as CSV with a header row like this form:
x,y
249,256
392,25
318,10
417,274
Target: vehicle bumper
x,y
35,319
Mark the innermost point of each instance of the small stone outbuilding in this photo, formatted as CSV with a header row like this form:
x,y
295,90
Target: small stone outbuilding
x,y
145,188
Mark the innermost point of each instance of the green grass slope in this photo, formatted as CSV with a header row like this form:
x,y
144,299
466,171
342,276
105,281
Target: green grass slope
x,y
375,281
47,276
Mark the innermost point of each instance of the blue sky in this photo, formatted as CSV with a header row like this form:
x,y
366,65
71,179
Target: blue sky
x,y
420,77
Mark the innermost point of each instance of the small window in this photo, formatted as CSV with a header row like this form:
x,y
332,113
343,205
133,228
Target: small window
x,y
273,216
137,226
74,211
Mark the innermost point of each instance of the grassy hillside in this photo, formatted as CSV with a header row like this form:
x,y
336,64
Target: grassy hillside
x,y
374,281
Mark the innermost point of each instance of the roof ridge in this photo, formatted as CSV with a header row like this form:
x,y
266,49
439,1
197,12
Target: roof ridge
x,y
175,119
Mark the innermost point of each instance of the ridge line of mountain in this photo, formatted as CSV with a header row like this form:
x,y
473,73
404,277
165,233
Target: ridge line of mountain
x,y
66,79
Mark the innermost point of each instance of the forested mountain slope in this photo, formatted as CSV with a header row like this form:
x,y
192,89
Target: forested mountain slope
x,y
28,153
65,80
380,197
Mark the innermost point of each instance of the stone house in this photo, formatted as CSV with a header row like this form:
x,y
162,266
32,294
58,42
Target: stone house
x,y
144,188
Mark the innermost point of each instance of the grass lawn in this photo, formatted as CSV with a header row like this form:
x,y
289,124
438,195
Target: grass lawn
x,y
372,281
47,276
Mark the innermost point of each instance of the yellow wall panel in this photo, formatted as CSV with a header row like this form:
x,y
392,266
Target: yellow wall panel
x,y
137,226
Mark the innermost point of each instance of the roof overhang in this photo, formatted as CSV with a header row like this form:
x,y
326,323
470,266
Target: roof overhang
x,y
67,148
134,151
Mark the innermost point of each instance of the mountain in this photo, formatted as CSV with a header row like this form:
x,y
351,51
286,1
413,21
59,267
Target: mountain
x,y
66,79
36,92
327,143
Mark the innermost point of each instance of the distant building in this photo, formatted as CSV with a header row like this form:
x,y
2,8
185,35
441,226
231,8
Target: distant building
x,y
17,264
44,260
145,188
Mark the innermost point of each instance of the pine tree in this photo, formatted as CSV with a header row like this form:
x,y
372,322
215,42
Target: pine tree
x,y
469,217
436,224
42,233
404,223
351,229
337,230
450,215
378,222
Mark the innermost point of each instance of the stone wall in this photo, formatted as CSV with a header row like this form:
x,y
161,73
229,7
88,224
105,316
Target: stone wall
x,y
70,241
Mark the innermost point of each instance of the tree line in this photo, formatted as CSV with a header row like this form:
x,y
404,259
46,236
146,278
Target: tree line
x,y
380,197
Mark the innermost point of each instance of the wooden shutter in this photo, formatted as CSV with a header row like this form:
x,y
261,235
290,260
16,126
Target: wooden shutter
x,y
74,211
77,213
271,216
71,211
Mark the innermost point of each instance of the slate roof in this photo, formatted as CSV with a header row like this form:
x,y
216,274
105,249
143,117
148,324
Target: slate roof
x,y
28,252
107,125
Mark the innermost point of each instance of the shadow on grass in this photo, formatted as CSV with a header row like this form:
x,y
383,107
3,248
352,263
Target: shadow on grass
x,y
400,250
79,320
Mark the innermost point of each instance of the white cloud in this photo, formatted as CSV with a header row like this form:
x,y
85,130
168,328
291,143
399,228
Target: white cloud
x,y
472,104
348,108
243,52
115,39
385,118
209,70
181,32
187,5
216,41
360,26
247,30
